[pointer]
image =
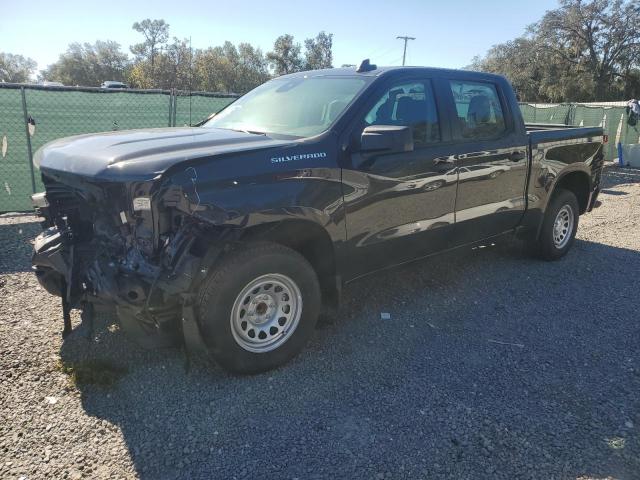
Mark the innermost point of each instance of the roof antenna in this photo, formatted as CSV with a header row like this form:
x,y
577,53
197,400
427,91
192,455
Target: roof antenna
x,y
366,66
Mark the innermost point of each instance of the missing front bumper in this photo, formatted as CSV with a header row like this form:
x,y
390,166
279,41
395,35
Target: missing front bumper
x,y
52,261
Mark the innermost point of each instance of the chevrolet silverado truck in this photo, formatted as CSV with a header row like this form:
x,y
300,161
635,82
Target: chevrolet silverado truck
x,y
232,235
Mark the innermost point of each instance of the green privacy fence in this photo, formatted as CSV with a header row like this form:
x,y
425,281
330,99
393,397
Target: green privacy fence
x,y
15,170
611,116
192,108
32,115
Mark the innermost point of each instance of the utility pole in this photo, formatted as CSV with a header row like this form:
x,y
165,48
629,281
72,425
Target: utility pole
x,y
406,39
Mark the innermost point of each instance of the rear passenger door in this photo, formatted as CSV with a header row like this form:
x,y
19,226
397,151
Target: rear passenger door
x,y
491,158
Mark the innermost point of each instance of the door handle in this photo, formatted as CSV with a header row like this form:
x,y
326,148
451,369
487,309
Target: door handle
x,y
517,156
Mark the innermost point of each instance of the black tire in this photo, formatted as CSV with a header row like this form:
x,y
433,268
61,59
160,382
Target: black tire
x,y
228,279
546,247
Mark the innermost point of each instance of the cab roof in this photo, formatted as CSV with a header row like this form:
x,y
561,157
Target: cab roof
x,y
385,71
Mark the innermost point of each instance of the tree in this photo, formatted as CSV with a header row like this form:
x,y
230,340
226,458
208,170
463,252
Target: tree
x,y
156,34
16,68
601,38
228,68
535,74
318,51
176,71
582,51
252,67
89,65
285,57
172,68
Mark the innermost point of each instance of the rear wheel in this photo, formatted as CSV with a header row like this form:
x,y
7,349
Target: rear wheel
x,y
559,226
258,307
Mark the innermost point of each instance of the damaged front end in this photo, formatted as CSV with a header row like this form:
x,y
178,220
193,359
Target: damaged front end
x,y
134,246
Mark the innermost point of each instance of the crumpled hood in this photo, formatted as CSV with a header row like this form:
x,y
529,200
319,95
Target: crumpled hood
x,y
142,154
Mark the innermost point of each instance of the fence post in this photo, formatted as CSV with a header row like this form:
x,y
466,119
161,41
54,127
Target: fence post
x,y
175,105
567,117
572,114
170,106
29,150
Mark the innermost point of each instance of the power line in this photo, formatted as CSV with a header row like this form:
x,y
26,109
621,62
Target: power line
x,y
380,53
406,39
387,57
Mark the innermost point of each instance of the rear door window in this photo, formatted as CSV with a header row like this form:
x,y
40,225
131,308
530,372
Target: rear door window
x,y
480,115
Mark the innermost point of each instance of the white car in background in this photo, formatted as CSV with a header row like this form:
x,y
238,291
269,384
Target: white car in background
x,y
481,171
474,172
114,85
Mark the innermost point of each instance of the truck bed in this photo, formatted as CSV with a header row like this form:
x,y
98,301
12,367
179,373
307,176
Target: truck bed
x,y
546,132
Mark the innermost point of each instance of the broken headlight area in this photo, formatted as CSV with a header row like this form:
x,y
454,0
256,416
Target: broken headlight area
x,y
113,245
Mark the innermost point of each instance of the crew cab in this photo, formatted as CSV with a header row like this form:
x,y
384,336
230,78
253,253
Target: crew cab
x,y
233,235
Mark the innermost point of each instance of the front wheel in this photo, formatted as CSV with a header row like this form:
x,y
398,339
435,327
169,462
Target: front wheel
x,y
559,226
433,185
258,307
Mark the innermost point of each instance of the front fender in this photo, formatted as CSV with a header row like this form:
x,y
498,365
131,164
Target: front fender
x,y
311,194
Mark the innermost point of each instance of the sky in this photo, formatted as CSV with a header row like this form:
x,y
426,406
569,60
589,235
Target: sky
x,y
448,33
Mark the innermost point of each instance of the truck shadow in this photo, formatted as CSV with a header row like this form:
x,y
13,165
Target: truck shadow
x,y
616,175
491,362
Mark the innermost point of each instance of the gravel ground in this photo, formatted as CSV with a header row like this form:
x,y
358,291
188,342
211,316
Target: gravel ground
x,y
493,365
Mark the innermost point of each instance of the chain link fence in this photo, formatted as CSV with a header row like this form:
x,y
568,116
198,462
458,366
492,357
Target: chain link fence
x,y
32,115
611,116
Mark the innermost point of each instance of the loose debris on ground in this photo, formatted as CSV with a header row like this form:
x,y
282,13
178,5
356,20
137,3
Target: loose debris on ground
x,y
438,392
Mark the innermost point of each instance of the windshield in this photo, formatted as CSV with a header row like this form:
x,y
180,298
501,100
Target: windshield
x,y
301,107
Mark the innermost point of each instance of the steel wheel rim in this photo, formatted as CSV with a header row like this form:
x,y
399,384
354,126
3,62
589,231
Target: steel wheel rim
x,y
433,186
266,313
563,226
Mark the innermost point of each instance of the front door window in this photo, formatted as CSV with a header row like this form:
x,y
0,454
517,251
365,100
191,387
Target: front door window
x,y
412,105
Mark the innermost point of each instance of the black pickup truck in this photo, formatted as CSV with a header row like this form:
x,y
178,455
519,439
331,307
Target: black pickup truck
x,y
234,234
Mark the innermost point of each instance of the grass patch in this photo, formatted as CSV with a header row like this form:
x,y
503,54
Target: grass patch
x,y
92,372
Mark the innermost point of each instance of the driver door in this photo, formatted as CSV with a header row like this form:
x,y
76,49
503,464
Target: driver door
x,y
400,205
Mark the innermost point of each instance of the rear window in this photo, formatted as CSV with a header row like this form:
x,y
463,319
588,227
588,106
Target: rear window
x,y
479,111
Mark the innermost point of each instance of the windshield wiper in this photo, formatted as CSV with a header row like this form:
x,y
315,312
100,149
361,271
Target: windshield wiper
x,y
251,132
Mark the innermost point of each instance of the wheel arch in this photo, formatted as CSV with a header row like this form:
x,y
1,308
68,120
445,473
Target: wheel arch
x,y
579,183
309,239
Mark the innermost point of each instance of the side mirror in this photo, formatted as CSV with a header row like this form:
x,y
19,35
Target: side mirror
x,y
387,139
